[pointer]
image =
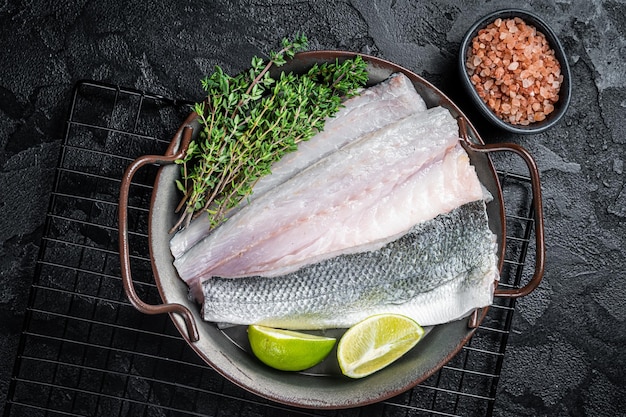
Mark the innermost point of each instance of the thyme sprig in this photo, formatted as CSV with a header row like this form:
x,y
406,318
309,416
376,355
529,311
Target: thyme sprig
x,y
249,121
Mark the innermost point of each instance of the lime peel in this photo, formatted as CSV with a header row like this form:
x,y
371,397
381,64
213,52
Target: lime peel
x,y
288,350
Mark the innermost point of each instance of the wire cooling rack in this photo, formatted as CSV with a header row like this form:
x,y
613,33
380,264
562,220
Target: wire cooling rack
x,y
85,351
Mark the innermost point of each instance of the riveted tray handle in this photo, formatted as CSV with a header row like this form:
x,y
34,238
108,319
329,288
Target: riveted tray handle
x,y
537,208
169,158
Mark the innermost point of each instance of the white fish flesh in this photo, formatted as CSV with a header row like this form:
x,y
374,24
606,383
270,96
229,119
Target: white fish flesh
x,y
440,271
373,108
359,198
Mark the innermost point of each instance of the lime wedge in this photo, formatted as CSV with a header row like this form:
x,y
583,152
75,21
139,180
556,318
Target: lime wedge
x,y
288,350
375,342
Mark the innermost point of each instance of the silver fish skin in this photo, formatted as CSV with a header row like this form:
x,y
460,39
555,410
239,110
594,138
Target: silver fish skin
x,y
440,271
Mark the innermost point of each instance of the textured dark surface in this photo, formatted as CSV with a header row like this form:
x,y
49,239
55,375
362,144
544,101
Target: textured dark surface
x,y
566,356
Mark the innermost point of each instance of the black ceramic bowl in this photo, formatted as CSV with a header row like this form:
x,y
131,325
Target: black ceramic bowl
x,y
560,107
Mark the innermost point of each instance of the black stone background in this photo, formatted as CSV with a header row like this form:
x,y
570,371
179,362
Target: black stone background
x,y
566,356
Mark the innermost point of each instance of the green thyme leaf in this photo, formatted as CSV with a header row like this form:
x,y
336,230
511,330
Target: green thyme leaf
x,y
251,120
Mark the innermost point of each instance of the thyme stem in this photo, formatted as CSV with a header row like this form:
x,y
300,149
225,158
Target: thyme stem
x,y
251,120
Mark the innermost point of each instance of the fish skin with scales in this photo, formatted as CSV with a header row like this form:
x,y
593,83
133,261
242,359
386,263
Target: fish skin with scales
x,y
440,271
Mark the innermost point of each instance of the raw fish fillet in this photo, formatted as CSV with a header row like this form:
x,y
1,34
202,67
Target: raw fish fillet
x,y
440,271
373,108
359,198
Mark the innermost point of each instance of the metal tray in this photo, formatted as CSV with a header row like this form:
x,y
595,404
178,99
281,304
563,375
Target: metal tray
x,y
227,352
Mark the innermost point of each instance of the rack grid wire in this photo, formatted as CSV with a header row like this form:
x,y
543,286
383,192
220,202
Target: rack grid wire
x,y
86,351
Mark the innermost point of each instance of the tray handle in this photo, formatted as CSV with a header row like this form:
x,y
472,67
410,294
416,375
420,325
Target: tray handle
x,y
127,280
537,208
